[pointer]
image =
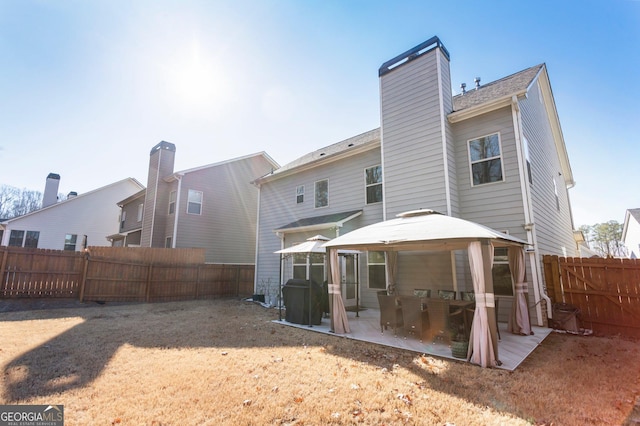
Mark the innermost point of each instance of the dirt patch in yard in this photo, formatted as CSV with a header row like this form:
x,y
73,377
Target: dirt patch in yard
x,y
225,362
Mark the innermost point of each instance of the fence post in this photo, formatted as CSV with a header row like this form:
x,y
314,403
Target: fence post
x,y
557,284
148,284
84,276
4,264
237,280
197,281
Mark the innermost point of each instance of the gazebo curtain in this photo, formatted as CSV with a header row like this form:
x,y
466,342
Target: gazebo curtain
x,y
391,258
339,322
519,322
481,347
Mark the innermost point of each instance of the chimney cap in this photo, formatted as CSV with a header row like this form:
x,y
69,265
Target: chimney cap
x,y
53,176
164,145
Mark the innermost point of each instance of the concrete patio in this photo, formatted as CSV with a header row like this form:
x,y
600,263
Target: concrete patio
x,y
365,326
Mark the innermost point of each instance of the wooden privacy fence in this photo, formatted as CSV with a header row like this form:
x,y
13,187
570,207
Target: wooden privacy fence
x,y
606,291
109,274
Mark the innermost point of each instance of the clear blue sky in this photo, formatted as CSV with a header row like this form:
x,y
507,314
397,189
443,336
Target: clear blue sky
x,y
87,88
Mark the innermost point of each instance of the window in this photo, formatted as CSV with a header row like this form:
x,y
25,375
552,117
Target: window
x,y
373,184
527,159
194,205
32,239
377,274
316,270
172,202
501,273
555,191
140,211
15,238
299,194
485,159
123,217
322,193
70,242
168,242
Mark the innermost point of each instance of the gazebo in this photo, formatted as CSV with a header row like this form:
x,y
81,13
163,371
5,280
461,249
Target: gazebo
x,y
428,230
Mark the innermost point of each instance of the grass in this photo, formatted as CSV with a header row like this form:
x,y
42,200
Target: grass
x,y
223,362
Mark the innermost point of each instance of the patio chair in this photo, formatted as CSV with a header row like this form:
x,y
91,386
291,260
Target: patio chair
x,y
422,292
390,313
447,294
416,320
469,296
440,317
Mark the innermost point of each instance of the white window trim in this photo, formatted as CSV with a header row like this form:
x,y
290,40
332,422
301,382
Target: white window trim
x,y
470,163
172,202
201,202
366,185
140,211
315,204
299,193
369,263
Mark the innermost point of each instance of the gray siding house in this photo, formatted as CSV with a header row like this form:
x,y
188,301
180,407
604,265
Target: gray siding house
x,y
213,207
73,224
493,154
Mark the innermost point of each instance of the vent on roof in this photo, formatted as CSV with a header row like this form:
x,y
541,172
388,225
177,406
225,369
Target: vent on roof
x,y
463,86
477,82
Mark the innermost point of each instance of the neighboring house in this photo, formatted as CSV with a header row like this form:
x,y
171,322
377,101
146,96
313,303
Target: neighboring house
x,y
73,224
631,233
494,155
212,207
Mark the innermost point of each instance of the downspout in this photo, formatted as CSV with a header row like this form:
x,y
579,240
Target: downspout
x,y
255,258
177,212
528,213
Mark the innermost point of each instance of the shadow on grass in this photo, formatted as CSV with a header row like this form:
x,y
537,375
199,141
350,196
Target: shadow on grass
x,y
77,356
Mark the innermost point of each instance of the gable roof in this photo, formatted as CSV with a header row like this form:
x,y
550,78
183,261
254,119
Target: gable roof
x,y
175,175
630,213
319,222
75,199
362,142
513,84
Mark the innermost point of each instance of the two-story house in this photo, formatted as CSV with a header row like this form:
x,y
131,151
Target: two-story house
x,y
73,224
212,207
493,154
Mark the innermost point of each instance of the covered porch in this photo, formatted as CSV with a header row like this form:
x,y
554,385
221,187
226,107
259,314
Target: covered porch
x,y
365,326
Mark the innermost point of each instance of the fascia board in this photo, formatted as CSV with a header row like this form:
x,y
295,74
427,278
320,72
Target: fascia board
x,y
467,113
322,160
556,129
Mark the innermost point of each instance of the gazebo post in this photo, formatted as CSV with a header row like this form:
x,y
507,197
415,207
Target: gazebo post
x,y
487,261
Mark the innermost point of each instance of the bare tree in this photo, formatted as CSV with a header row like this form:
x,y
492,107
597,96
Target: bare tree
x,y
605,238
7,196
15,202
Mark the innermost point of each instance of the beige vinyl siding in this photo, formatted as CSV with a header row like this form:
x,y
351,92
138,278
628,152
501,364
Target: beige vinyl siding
x,y
553,228
94,214
131,218
430,270
498,205
412,135
157,197
278,207
226,227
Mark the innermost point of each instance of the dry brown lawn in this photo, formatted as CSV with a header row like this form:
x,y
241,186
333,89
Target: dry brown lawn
x,y
224,362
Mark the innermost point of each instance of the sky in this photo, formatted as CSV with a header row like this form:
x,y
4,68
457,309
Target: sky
x,y
87,88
